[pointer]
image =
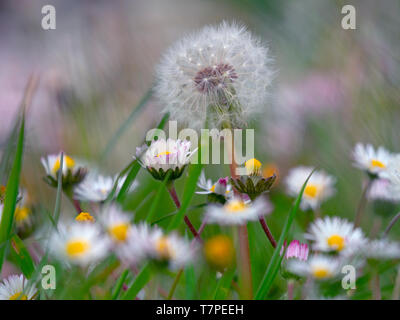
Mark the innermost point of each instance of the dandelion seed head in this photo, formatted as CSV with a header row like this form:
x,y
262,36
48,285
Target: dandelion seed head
x,y
222,72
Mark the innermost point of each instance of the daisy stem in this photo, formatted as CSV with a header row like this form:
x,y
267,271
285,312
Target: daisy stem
x,y
391,224
396,289
267,231
376,286
175,284
290,289
174,196
362,203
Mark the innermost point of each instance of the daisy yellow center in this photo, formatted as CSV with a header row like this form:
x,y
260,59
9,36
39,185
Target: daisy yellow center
x,y
84,216
19,296
253,166
76,248
219,251
165,153
337,242
68,162
21,213
377,164
311,190
163,248
235,206
321,273
212,189
120,231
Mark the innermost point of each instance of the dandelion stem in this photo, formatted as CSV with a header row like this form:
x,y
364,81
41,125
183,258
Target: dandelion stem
x,y
174,196
362,203
175,284
267,231
391,224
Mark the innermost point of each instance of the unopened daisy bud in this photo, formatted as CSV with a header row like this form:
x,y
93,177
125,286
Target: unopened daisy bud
x,y
72,172
84,217
16,288
220,73
219,252
167,157
296,250
374,162
253,167
253,184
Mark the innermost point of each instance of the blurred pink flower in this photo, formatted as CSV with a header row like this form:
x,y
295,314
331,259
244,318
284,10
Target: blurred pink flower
x,y
296,250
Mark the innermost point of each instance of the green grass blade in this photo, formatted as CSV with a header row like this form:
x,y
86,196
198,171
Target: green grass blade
x,y
22,256
119,284
276,259
8,151
57,205
11,193
128,181
125,125
139,282
157,198
190,281
224,284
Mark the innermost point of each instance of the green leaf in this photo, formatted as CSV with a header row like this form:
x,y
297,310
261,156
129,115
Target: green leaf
x,y
22,256
126,124
128,181
119,284
157,199
11,194
190,281
276,259
139,282
8,151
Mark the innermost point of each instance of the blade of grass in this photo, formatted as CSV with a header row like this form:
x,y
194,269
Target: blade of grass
x,y
170,215
57,205
276,259
22,256
119,284
125,125
157,199
8,151
139,282
224,285
190,281
11,193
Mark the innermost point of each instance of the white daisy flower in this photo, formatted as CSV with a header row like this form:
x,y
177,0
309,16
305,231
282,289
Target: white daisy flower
x,y
220,72
73,171
172,249
373,161
237,212
164,155
15,288
317,267
139,244
319,188
80,243
382,249
383,189
221,187
96,187
116,222
335,235
393,173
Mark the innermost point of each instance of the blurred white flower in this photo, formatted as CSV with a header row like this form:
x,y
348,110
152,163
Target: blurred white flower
x,y
318,267
116,222
80,243
383,189
373,161
237,212
335,235
220,72
319,188
381,249
15,288
96,187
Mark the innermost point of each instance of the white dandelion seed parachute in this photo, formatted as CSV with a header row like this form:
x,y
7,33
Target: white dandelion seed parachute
x,y
220,72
